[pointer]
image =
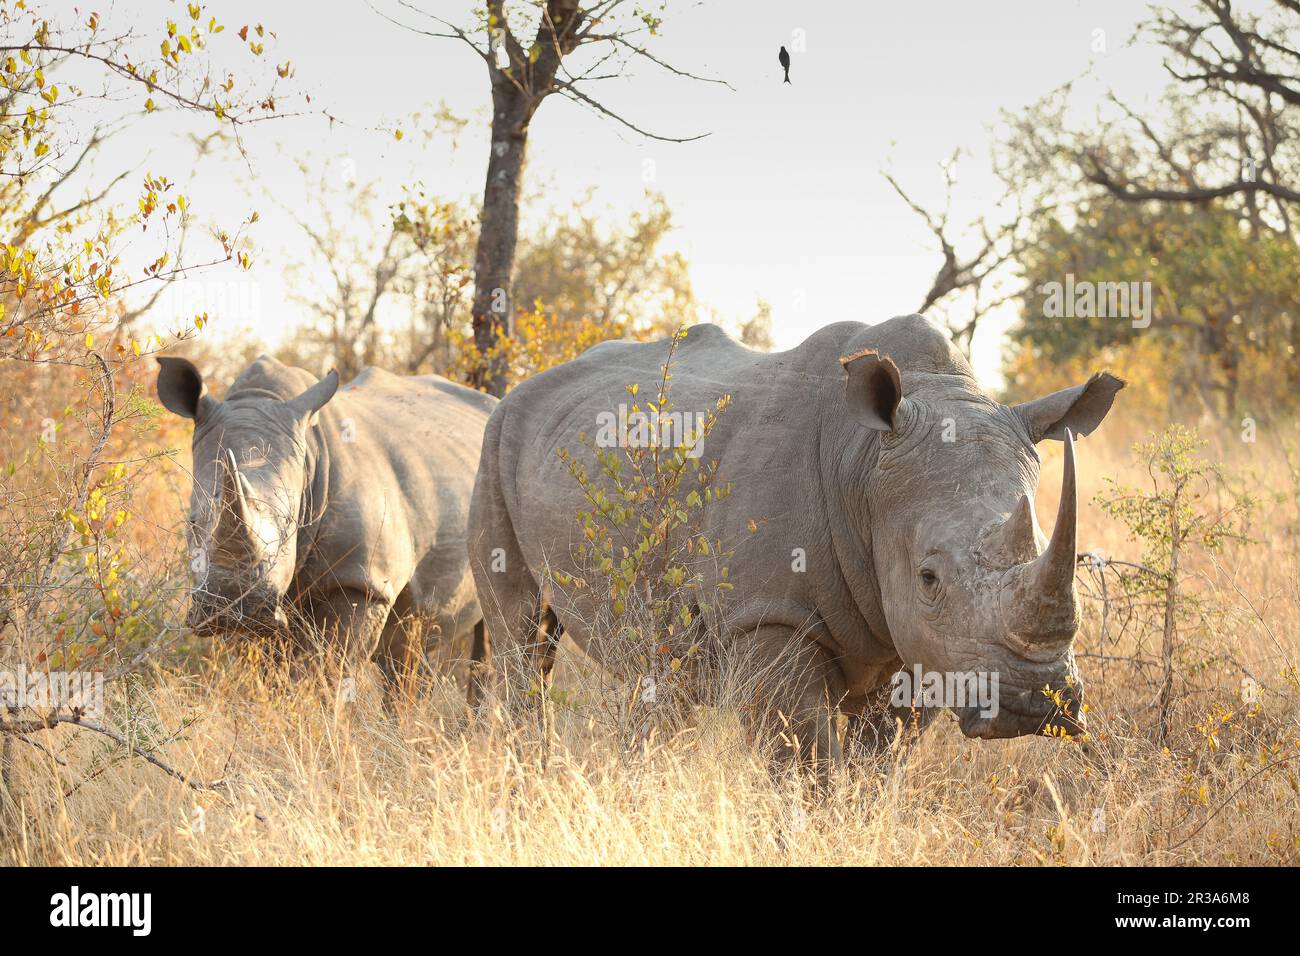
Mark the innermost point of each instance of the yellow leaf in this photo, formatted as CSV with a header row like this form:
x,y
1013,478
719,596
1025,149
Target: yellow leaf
x,y
90,341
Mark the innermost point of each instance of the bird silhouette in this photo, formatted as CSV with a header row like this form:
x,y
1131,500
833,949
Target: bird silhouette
x,y
785,64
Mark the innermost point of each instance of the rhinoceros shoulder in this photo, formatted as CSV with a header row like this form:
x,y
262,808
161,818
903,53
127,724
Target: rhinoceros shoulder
x,y
705,335
461,393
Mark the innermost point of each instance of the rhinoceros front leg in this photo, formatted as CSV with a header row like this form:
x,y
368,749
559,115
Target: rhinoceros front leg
x,y
349,621
875,724
797,697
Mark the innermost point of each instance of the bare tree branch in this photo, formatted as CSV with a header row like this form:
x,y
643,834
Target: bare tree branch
x,y
568,90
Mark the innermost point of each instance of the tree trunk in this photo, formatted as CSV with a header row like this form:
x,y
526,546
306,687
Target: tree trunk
x,y
494,258
1171,620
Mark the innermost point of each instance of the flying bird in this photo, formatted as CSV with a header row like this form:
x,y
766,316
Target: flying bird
x,y
785,64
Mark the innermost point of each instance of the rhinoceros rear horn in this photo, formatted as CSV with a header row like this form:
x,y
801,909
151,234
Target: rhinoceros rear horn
x,y
1051,616
314,399
1015,541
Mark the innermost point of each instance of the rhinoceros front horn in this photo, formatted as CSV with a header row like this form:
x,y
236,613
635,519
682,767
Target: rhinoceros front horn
x,y
1042,593
234,534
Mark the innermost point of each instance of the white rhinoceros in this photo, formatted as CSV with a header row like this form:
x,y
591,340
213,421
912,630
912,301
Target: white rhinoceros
x,y
349,508
881,515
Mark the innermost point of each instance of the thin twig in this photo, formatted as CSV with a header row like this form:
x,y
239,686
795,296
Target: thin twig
x,y
1245,783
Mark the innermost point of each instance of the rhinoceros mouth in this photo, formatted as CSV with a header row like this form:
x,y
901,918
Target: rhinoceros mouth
x,y
1008,722
233,619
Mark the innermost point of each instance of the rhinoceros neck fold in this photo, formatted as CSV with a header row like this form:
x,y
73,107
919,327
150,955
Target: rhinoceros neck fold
x,y
847,456
315,494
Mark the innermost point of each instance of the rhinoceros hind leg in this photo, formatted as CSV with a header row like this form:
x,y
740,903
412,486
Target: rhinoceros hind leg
x,y
480,667
509,600
400,656
547,632
518,629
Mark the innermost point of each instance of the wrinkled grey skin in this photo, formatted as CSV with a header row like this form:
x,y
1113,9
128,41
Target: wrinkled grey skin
x,y
918,550
347,507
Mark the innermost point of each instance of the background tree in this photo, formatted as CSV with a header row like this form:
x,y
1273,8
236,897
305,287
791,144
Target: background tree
x,y
757,332
1242,70
356,263
1224,305
389,285
384,286
438,285
975,272
532,50
73,592
1199,199
576,267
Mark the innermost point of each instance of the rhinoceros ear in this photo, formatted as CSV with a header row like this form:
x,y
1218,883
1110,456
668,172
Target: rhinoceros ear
x,y
180,388
874,392
1079,409
313,400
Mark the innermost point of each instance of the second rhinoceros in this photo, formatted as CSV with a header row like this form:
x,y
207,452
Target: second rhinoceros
x,y
348,509
881,516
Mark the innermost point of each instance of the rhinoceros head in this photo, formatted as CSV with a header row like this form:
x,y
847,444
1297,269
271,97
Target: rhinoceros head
x,y
969,583
249,480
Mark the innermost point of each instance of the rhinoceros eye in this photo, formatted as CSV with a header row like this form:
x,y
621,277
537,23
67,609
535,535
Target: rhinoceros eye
x,y
929,581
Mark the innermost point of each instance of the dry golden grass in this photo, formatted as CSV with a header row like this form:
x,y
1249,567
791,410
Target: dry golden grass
x,y
317,779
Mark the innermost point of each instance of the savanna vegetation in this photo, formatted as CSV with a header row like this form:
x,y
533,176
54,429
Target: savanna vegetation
x,y
210,753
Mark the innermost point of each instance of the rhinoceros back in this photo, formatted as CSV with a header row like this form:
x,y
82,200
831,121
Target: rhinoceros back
x,y
402,455
766,441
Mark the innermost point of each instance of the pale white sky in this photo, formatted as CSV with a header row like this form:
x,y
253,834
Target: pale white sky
x,y
783,201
